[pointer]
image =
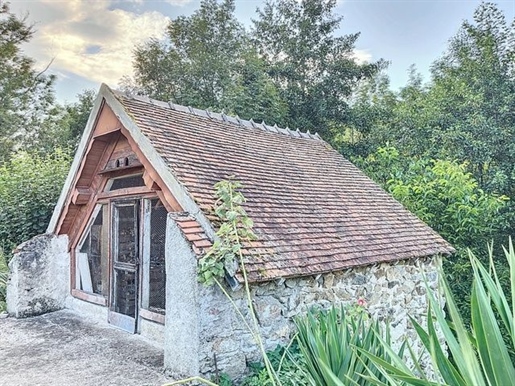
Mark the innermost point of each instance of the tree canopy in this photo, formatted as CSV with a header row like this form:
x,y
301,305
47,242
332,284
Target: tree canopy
x,y
315,71
207,61
465,112
24,92
30,117
289,69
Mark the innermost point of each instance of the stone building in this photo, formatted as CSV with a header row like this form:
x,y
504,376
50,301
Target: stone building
x,y
136,213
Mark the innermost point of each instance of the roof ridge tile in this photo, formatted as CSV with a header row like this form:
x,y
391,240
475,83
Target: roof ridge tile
x,y
221,117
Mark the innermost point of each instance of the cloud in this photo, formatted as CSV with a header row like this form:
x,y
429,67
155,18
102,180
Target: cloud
x,y
179,3
91,39
362,56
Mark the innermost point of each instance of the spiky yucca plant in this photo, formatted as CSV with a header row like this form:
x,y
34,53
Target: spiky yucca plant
x,y
480,354
327,340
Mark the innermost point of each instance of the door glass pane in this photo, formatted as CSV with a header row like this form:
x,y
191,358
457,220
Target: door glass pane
x,y
157,293
125,292
127,234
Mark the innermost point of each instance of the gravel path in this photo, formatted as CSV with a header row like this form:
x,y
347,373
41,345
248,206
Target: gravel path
x,y
61,349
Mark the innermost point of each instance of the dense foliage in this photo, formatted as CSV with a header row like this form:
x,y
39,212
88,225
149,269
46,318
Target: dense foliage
x,y
442,193
288,363
445,148
63,125
464,113
314,70
30,118
448,198
30,185
208,62
32,127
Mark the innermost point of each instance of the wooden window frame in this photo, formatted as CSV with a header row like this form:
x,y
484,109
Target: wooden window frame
x,y
152,316
77,292
90,298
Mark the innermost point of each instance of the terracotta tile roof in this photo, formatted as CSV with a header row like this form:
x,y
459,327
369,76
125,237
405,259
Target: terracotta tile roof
x,y
313,210
193,232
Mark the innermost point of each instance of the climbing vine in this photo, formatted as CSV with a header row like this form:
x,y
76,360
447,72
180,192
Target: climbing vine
x,y
226,255
235,230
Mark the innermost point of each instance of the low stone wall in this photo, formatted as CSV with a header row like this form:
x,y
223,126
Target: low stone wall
x,y
39,276
391,291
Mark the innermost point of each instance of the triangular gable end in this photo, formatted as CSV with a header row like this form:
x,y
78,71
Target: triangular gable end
x,y
109,131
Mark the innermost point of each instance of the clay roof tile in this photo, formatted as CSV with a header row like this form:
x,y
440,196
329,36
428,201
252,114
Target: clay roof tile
x,y
313,210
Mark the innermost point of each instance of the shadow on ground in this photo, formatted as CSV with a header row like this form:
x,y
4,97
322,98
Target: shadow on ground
x,y
60,349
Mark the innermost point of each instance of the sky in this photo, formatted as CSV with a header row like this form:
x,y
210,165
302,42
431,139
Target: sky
x,y
89,42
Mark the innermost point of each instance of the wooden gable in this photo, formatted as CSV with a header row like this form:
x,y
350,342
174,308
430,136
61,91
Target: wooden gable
x,y
111,152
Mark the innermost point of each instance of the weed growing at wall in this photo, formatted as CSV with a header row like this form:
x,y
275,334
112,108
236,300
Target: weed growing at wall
x,y
4,270
235,230
289,364
226,255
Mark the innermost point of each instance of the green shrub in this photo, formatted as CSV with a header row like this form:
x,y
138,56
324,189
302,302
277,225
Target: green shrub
x,y
288,363
442,194
448,198
30,185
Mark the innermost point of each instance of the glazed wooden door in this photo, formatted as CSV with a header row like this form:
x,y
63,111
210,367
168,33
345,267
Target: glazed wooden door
x,y
123,305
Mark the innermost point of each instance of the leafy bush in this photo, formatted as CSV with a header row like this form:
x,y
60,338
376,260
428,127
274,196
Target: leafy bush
x,y
441,193
479,355
288,363
445,196
30,185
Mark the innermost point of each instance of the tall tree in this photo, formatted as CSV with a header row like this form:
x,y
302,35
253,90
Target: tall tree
x,y
195,64
473,96
24,92
207,62
466,111
315,71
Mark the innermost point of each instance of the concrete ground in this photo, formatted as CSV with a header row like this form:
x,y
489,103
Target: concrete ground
x,y
60,349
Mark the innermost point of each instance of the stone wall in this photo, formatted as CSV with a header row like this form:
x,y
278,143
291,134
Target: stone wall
x,y
39,276
391,291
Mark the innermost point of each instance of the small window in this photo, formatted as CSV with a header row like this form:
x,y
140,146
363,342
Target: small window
x,y
125,182
92,263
